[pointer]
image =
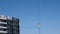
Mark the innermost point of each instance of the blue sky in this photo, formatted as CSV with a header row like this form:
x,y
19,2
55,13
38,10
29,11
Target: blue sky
x,y
30,11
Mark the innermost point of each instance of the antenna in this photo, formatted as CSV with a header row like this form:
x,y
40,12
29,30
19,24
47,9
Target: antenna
x,y
38,27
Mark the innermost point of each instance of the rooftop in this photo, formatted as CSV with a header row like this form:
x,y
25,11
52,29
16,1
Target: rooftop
x,y
5,17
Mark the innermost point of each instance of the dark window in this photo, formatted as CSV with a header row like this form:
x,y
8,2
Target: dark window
x,y
4,29
3,25
3,20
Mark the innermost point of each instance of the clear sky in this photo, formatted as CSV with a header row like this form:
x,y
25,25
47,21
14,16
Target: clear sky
x,y
30,11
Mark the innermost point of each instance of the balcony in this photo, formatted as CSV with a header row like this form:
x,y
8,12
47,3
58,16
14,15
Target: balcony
x,y
3,22
3,27
3,31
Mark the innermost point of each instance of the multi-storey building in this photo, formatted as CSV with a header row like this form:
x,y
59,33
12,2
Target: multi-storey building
x,y
9,25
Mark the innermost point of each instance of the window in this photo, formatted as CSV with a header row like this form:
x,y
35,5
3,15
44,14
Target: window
x,y
4,29
3,20
3,25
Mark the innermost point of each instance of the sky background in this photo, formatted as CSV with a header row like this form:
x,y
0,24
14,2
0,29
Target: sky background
x,y
30,11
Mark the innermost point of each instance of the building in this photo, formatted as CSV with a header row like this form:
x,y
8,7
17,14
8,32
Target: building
x,y
9,25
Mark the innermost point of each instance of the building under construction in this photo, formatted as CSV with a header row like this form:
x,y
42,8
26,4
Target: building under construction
x,y
9,25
